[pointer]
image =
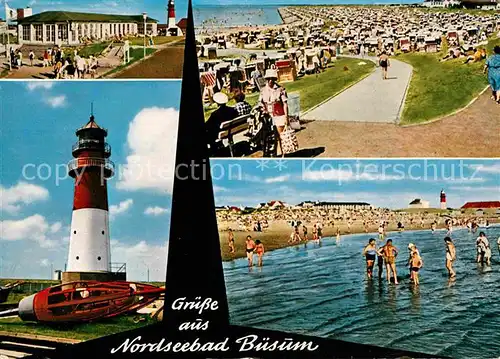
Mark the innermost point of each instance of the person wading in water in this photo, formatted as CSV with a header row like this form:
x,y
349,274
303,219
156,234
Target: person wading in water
x,y
390,252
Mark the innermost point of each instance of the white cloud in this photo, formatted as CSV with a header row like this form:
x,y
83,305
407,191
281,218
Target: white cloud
x,y
495,168
56,227
333,174
35,228
56,101
219,189
492,190
278,179
40,84
152,139
155,211
139,257
120,208
22,193
45,262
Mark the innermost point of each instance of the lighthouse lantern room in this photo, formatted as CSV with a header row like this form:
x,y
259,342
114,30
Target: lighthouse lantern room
x,y
89,247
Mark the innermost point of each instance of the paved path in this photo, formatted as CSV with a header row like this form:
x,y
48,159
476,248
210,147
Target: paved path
x,y
370,100
472,132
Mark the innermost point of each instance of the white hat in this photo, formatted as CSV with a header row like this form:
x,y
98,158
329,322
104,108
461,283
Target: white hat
x,y
221,98
271,73
411,246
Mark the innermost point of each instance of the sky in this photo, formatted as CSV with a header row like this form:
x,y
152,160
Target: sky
x,y
37,130
154,8
382,183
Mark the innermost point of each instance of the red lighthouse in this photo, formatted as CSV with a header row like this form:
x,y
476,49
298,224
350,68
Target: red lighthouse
x,y
89,248
442,199
171,14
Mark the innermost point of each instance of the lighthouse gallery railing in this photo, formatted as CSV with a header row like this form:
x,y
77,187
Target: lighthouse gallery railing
x,y
91,145
106,164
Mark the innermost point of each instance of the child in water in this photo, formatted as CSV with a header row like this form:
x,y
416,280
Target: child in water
x,y
259,249
416,264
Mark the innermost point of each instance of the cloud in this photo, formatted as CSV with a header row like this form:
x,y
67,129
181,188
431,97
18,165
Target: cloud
x,y
155,211
139,258
56,101
333,174
41,84
120,208
152,139
219,189
56,227
34,228
45,262
278,179
495,168
489,189
22,193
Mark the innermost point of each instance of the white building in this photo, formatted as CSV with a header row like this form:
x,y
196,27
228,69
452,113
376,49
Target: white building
x,y
73,28
419,203
441,3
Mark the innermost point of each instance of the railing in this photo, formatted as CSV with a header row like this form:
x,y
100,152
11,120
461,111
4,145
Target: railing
x,y
118,267
107,165
92,145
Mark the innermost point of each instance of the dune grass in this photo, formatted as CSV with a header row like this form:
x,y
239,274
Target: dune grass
x,y
439,88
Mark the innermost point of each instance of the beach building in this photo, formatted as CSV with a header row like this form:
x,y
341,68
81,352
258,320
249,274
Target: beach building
x,y
440,3
481,4
479,208
419,203
343,205
75,28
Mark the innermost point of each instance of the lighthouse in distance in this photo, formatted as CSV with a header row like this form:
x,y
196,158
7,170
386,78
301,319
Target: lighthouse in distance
x,y
89,256
442,199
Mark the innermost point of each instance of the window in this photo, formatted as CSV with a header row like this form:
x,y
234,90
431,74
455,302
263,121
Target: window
x,y
26,32
50,33
38,32
62,32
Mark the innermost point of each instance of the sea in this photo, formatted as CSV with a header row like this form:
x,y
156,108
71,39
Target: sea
x,y
209,16
322,290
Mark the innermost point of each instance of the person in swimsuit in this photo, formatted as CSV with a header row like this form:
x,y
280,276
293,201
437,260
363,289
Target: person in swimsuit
x,y
483,249
338,234
498,244
304,230
259,249
415,265
384,64
390,252
319,232
451,255
370,252
381,232
250,247
230,240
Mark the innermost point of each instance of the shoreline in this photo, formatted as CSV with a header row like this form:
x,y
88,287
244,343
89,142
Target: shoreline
x,y
278,239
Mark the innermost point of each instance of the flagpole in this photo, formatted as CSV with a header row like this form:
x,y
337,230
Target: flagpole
x,y
7,49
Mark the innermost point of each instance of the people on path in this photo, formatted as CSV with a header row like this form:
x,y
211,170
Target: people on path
x,y
384,64
492,67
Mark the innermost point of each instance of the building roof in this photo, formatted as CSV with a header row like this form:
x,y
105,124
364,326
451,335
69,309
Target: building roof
x,y
182,24
416,201
342,204
91,124
64,16
481,205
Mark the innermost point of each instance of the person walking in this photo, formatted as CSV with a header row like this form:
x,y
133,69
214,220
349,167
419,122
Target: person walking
x,y
274,101
492,67
384,64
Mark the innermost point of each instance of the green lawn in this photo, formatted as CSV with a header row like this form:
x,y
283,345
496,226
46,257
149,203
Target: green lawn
x,y
75,331
439,88
314,89
158,40
93,49
136,54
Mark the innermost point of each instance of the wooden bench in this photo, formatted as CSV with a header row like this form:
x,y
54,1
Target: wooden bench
x,y
233,127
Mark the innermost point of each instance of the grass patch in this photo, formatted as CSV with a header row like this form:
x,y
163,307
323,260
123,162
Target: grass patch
x,y
84,331
93,50
439,88
158,40
136,54
314,89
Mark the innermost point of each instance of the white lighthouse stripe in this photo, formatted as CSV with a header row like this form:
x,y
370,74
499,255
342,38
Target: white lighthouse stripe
x,y
89,246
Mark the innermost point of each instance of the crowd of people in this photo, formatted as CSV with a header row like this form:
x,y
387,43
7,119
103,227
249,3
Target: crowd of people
x,y
63,65
385,256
